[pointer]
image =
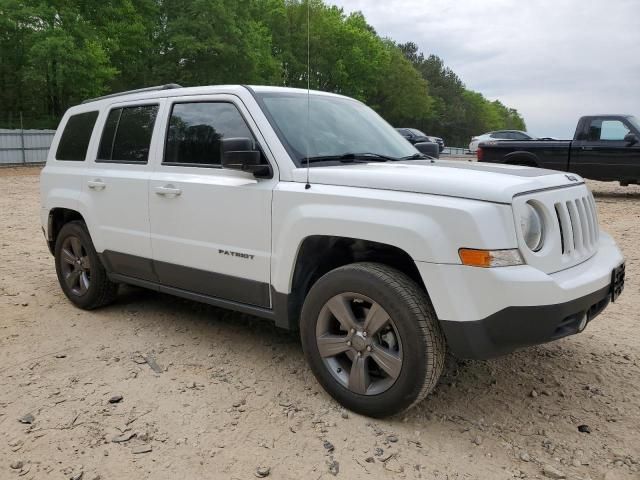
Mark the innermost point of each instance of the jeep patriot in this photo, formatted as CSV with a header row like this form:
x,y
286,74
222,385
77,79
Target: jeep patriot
x,y
308,209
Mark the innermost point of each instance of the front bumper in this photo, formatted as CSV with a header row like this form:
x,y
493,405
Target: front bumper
x,y
516,327
489,312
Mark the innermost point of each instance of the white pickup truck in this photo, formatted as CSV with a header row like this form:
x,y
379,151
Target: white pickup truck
x,y
381,257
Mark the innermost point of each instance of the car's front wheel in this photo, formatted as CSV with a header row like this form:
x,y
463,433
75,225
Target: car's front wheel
x,y
81,275
372,338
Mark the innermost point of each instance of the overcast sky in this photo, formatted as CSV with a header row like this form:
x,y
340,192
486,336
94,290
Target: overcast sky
x,y
553,60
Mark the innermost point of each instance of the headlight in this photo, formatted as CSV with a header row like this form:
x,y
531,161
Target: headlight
x,y
532,227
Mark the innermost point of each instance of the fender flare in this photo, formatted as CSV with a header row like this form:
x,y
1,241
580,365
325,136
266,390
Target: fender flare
x,y
521,157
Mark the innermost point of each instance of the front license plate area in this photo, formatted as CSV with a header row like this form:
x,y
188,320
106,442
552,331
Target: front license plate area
x,y
617,282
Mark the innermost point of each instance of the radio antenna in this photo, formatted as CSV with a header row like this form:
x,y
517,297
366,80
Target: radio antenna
x,y
308,185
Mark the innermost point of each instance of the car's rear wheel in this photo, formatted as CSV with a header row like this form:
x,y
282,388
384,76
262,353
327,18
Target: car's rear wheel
x,y
81,275
372,339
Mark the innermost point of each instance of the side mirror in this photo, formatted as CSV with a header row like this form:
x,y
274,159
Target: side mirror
x,y
428,148
631,139
239,154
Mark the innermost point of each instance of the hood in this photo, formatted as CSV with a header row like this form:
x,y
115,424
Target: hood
x,y
479,181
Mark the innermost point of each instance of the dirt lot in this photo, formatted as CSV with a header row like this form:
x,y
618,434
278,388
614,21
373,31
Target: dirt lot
x,y
233,393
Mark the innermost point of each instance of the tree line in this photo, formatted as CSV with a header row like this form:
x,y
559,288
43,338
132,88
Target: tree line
x,y
56,53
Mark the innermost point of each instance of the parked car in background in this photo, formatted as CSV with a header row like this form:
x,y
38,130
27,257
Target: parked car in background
x,y
498,135
604,147
416,136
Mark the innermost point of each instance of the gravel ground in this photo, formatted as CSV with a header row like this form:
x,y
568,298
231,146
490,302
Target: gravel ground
x,y
207,393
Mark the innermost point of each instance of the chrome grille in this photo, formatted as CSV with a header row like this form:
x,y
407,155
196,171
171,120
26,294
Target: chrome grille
x,y
578,225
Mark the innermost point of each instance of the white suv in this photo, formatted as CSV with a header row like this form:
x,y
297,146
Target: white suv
x,y
381,257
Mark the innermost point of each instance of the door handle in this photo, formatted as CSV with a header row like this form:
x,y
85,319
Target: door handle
x,y
168,190
96,184
587,148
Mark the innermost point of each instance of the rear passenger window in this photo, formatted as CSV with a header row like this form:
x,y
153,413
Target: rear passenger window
x,y
197,132
76,136
127,134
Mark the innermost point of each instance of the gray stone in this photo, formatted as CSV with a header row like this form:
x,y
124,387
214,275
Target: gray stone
x,y
141,449
552,472
123,438
28,419
262,472
151,361
584,429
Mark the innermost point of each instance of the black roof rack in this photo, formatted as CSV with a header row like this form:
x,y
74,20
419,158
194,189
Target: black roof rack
x,y
167,86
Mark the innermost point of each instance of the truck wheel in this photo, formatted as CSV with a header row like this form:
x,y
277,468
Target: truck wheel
x,y
81,275
372,339
522,163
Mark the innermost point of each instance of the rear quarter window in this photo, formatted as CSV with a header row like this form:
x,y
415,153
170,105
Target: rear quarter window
x,y
127,134
76,136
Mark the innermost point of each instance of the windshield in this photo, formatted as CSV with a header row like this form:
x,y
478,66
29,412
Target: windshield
x,y
418,132
634,121
337,126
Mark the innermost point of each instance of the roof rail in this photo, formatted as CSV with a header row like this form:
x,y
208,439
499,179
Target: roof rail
x,y
167,86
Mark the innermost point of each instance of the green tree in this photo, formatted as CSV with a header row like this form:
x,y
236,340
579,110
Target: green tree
x,y
402,95
214,41
55,53
57,57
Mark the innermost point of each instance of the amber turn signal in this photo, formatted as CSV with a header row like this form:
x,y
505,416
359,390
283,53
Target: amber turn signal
x,y
475,258
490,258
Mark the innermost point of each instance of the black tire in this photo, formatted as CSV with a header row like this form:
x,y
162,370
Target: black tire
x,y
100,290
523,163
414,321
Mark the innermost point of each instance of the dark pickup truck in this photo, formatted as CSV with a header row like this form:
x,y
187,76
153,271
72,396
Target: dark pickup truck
x,y
604,147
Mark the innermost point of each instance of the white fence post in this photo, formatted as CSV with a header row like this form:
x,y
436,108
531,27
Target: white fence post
x,y
24,154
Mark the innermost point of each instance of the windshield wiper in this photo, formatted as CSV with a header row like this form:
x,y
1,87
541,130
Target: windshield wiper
x,y
349,158
417,156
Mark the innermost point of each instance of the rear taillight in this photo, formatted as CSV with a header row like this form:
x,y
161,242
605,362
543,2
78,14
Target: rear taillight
x,y
479,154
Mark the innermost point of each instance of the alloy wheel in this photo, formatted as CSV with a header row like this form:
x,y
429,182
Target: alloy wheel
x,y
359,343
75,265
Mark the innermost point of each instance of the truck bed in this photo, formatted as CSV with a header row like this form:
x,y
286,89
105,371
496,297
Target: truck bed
x,y
553,153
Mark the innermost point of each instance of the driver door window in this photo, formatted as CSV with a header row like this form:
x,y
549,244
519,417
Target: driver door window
x,y
613,130
197,132
607,130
